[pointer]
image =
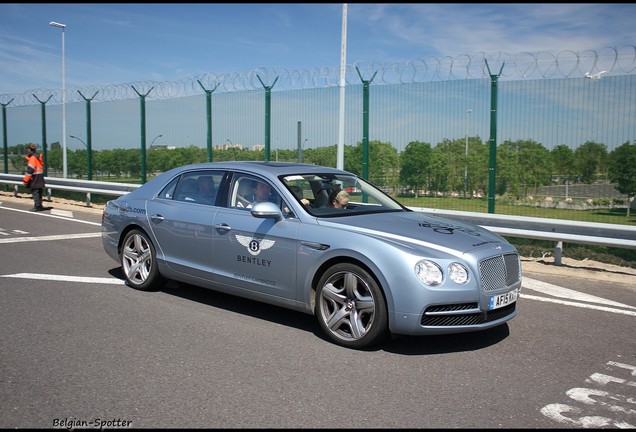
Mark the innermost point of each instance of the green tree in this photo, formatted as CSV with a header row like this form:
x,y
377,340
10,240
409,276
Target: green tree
x,y
77,163
563,162
414,165
383,162
522,166
448,165
478,156
622,169
591,161
325,156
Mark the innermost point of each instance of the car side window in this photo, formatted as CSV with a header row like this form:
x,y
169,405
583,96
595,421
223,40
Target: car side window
x,y
168,191
198,187
242,195
248,190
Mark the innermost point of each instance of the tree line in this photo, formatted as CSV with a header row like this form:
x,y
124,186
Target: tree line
x,y
458,166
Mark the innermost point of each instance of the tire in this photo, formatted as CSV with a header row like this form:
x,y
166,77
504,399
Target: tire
x,y
139,262
350,307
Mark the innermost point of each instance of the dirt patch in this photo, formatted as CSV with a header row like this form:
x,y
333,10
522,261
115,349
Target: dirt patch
x,y
56,203
586,269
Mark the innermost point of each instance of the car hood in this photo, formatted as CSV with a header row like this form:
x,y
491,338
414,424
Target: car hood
x,y
452,236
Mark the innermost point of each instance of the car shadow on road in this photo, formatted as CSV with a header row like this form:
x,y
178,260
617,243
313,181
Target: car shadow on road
x,y
443,344
404,345
242,306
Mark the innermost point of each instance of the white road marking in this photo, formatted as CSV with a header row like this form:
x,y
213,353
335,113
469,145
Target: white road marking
x,y
581,305
51,237
557,291
40,276
64,213
51,215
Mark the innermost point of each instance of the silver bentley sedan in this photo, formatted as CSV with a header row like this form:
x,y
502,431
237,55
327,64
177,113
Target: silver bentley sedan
x,y
318,240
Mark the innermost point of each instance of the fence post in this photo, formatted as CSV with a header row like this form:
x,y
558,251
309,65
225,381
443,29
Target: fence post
x,y
558,252
493,138
208,110
4,135
142,101
89,147
268,110
365,124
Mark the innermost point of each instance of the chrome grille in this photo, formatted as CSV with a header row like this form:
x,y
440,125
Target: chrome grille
x,y
499,272
465,319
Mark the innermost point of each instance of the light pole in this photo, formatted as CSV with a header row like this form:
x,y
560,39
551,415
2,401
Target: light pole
x,y
64,161
79,139
89,162
233,149
153,140
468,111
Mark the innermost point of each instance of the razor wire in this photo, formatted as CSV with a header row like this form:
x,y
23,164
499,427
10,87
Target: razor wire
x,y
525,65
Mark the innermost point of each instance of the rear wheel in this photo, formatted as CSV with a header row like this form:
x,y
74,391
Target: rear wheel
x,y
139,262
350,307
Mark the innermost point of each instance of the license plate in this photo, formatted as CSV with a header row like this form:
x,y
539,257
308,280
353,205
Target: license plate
x,y
502,300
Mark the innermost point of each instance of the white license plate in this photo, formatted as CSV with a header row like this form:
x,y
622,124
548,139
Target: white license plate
x,y
502,300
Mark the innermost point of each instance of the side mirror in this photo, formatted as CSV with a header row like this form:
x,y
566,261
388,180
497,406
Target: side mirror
x,y
266,210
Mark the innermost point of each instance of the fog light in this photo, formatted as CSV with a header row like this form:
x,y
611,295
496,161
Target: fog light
x,y
458,273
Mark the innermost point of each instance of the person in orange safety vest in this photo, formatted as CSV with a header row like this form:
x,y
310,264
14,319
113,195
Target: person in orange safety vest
x,y
34,177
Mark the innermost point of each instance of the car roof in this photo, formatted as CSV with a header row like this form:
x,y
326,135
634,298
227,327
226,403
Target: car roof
x,y
266,168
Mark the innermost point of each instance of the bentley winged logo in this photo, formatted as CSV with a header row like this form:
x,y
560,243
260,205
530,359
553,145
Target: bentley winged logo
x,y
253,245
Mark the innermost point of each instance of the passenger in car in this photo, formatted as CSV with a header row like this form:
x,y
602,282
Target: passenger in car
x,y
262,192
338,199
205,190
298,193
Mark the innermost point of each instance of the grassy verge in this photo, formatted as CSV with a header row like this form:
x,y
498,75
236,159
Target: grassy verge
x,y
540,248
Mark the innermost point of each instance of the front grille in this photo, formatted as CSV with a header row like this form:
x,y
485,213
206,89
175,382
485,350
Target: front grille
x,y
498,272
464,319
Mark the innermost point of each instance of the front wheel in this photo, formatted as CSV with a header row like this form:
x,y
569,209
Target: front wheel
x,y
350,307
139,262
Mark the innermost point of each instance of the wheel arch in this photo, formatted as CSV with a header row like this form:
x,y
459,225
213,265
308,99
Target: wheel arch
x,y
350,260
124,233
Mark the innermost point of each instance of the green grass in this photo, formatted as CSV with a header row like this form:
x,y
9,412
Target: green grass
x,y
611,216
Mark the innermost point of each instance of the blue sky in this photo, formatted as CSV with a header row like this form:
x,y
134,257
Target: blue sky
x,y
123,43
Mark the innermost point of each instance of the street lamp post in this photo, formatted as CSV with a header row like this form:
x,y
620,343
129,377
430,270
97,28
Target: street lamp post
x,y
89,168
64,161
153,140
79,139
233,149
468,111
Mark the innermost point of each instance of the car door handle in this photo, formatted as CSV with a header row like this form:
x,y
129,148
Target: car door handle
x,y
222,227
156,218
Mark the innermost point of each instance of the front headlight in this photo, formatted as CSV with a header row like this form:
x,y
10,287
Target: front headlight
x,y
458,273
428,272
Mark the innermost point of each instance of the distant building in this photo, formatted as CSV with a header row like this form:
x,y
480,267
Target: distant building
x,y
228,146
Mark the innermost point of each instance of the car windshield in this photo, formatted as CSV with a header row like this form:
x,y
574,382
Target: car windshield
x,y
332,195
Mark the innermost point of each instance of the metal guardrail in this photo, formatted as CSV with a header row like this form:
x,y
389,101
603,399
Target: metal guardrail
x,y
556,230
86,186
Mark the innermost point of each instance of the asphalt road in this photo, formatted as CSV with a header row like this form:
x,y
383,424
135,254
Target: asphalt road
x,y
79,349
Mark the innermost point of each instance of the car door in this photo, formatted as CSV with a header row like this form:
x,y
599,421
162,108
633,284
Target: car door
x,y
254,253
182,224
